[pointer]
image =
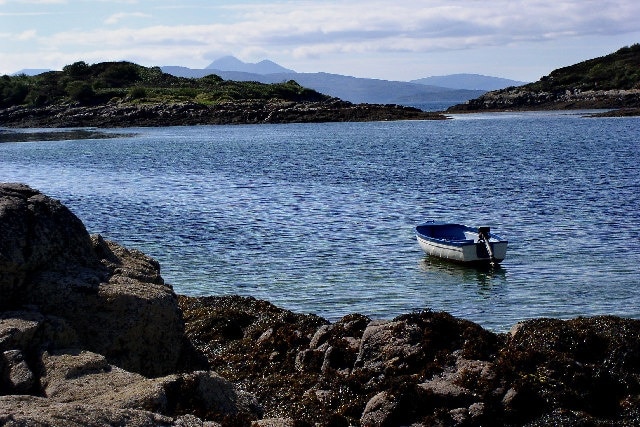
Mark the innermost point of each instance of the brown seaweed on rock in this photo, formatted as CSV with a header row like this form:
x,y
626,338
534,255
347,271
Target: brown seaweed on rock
x,y
424,368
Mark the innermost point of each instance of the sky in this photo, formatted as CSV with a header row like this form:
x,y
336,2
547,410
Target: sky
x,y
391,40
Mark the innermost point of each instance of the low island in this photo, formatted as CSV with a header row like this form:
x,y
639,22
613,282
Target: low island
x,y
123,94
91,335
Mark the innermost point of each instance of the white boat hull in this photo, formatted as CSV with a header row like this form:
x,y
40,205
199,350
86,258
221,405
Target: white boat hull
x,y
460,243
463,253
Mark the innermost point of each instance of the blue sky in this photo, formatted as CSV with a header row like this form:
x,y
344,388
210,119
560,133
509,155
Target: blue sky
x,y
393,40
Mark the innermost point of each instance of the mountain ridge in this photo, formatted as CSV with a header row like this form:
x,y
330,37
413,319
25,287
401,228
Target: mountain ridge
x,y
469,81
231,63
348,88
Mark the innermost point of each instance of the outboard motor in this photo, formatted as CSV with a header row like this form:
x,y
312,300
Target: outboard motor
x,y
483,233
483,236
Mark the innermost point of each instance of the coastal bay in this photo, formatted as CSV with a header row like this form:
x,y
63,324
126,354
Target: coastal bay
x,y
318,218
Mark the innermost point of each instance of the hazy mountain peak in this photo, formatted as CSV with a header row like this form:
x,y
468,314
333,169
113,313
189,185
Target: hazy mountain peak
x,y
231,63
31,71
469,81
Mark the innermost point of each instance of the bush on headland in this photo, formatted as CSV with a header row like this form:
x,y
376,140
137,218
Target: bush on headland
x,y
91,335
125,81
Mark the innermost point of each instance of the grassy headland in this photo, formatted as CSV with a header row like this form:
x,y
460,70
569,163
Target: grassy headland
x,y
609,82
127,94
130,83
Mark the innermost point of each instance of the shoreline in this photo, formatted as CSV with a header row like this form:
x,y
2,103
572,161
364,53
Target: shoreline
x,y
77,119
90,334
183,114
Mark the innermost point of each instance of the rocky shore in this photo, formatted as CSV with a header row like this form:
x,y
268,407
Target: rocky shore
x,y
90,335
520,98
189,113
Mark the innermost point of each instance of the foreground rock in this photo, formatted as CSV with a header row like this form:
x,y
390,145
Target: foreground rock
x,y
422,369
237,112
86,323
90,335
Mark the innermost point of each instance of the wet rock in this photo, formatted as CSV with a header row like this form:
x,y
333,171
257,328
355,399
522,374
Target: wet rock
x,y
379,410
584,364
389,346
189,113
13,367
255,345
333,349
113,299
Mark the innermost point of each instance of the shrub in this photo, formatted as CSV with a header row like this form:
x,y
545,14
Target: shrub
x,y
137,93
80,91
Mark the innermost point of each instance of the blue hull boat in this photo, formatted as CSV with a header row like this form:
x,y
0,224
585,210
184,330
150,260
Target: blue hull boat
x,y
460,243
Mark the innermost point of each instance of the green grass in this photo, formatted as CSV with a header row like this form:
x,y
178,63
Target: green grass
x,y
126,82
619,70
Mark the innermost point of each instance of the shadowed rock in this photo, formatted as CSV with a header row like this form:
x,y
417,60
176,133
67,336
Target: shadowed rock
x,y
92,329
114,299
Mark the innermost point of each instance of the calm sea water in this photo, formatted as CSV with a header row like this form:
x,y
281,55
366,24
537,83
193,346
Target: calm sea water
x,y
319,218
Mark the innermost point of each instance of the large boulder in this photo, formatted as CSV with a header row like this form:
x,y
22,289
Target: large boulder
x,y
20,411
113,299
92,330
38,233
87,378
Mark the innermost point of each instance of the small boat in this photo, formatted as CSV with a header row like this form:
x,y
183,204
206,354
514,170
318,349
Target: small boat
x,y
460,243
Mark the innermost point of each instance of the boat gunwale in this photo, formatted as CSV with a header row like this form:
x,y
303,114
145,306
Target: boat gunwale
x,y
454,242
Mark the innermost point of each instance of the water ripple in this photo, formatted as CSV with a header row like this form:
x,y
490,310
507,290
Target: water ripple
x,y
319,218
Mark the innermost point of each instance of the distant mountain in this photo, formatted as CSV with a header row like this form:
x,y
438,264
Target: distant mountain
x,y
231,63
469,81
30,72
353,89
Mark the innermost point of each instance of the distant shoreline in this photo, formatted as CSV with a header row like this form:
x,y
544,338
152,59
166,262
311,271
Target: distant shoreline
x,y
615,112
55,135
190,113
77,133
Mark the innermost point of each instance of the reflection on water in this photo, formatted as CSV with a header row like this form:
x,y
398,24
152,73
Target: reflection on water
x,y
29,135
485,276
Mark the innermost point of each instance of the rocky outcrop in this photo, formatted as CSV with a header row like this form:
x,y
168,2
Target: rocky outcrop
x,y
522,98
421,369
83,289
189,113
91,335
86,323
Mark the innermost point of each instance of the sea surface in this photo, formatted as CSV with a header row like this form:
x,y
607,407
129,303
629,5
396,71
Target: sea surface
x,y
319,218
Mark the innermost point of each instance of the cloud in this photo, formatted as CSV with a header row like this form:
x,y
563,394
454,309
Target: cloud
x,y
312,29
117,17
407,26
332,29
27,35
34,1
